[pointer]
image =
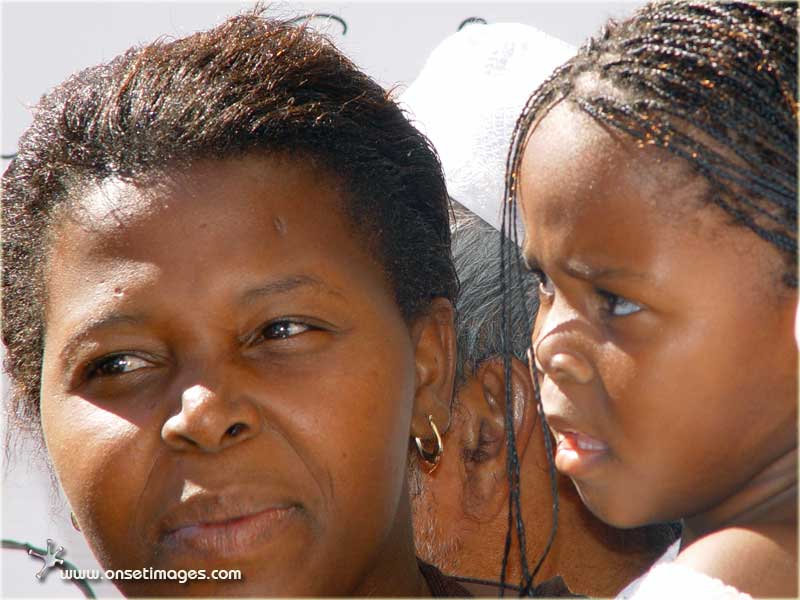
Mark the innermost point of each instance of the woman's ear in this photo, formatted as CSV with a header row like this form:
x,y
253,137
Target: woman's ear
x,y
484,403
797,324
435,359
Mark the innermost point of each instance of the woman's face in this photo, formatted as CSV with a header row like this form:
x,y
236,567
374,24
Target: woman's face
x,y
664,334
228,382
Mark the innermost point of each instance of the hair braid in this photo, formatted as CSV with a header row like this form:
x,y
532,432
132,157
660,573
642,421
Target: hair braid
x,y
714,84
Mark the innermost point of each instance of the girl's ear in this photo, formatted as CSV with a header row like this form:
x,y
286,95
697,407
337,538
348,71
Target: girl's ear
x,y
435,359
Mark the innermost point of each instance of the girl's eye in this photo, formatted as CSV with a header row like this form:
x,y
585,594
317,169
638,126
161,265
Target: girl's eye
x,y
619,306
116,364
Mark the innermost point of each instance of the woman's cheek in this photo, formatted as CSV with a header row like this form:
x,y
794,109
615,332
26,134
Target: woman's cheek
x,y
101,463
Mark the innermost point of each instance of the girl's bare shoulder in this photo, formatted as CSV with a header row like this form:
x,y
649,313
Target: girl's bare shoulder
x,y
760,560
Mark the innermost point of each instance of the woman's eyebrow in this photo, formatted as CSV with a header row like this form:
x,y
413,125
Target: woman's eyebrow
x,y
68,353
288,284
110,320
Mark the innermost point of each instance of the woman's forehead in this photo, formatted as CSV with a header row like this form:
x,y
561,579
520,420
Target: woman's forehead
x,y
110,204
117,201
227,218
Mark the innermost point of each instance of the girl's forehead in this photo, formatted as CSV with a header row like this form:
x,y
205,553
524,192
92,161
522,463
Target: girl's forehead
x,y
569,155
591,193
586,190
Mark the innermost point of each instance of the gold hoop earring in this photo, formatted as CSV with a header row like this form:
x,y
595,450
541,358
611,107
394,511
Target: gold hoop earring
x,y
532,364
74,521
431,457
530,357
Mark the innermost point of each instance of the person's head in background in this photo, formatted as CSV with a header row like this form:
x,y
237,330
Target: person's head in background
x,y
466,100
226,295
656,176
460,510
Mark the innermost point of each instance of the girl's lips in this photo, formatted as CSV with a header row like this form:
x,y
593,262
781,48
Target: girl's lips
x,y
577,452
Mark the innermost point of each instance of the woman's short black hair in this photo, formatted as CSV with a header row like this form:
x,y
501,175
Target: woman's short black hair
x,y
251,84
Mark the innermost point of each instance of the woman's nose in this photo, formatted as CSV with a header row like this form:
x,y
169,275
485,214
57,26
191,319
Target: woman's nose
x,y
212,418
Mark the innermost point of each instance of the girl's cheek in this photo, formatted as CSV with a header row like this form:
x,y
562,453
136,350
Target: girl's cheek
x,y
619,371
541,316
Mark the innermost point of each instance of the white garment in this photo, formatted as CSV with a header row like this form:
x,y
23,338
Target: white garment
x,y
669,555
467,100
667,580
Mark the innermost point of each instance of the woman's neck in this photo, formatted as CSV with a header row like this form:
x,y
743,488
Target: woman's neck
x,y
396,572
403,579
769,497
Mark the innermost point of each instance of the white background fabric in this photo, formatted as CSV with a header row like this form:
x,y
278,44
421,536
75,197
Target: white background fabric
x,y
467,100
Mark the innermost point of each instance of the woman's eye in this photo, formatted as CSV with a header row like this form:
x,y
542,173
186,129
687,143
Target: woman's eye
x,y
116,364
281,330
619,306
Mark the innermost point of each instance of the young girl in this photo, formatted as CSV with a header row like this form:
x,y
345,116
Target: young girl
x,y
656,177
227,298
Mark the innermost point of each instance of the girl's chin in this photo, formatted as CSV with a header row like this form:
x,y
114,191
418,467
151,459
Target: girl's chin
x,y
613,511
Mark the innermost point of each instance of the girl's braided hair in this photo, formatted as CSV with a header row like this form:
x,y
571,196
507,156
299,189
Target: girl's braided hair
x,y
712,83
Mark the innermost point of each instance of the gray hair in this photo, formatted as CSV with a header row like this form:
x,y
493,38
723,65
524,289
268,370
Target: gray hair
x,y
480,336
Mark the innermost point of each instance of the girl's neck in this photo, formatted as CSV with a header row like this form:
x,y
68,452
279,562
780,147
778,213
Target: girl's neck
x,y
769,497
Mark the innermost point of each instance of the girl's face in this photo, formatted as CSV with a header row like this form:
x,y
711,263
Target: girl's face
x,y
228,383
664,336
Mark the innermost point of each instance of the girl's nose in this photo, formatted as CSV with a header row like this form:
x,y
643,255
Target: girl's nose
x,y
563,365
557,347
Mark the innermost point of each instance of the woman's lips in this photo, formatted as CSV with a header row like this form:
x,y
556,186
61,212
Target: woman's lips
x,y
230,538
576,452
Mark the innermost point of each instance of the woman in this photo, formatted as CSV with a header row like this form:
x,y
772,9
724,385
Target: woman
x,y
227,294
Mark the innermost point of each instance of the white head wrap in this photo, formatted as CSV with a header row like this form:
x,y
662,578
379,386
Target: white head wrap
x,y
467,100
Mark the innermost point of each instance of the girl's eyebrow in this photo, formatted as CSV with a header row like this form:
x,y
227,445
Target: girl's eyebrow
x,y
582,270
